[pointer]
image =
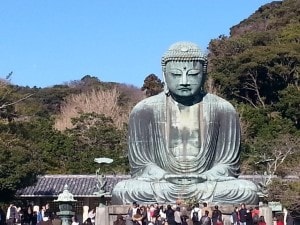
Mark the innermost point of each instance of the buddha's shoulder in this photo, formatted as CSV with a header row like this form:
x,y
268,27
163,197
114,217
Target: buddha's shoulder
x,y
150,102
218,101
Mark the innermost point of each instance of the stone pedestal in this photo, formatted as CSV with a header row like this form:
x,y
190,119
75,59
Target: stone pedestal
x,y
65,217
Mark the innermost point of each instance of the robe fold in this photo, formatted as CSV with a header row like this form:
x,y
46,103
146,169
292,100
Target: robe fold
x,y
151,158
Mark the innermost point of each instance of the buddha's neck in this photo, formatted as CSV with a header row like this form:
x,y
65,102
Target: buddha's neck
x,y
187,101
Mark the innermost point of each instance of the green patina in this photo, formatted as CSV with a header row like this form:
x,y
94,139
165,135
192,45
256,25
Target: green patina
x,y
184,143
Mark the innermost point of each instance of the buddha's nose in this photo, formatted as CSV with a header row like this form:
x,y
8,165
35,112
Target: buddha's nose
x,y
184,79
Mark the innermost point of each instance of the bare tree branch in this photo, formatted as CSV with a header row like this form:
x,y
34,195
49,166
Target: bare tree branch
x,y
247,99
283,147
254,79
15,102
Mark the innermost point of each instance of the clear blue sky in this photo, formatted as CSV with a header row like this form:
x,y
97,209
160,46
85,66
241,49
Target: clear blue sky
x,y
48,42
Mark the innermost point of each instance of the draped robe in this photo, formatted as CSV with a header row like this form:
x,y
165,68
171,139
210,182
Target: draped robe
x,y
151,156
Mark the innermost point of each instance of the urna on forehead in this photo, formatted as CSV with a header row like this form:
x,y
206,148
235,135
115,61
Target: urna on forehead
x,y
184,51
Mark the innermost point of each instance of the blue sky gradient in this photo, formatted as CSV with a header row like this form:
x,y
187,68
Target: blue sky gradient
x,y
48,42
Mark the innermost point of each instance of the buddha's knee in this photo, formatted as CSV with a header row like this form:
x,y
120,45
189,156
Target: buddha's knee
x,y
131,190
237,185
118,193
247,185
236,191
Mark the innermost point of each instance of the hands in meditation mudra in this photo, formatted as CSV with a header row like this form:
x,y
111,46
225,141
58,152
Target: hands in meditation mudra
x,y
184,143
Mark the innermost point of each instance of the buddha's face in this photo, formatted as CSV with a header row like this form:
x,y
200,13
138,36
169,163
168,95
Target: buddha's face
x,y
184,79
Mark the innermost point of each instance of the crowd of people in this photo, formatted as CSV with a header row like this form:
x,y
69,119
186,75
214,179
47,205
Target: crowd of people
x,y
35,215
15,215
244,216
156,214
153,214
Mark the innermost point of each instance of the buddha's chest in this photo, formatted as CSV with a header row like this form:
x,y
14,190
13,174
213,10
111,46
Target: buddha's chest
x,y
184,132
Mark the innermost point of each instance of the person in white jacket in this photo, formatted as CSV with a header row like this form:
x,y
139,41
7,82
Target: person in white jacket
x,y
196,214
11,214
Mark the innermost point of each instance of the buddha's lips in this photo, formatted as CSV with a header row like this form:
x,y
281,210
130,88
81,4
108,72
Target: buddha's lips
x,y
184,89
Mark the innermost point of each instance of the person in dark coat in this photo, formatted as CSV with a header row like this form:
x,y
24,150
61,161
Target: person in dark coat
x,y
120,220
170,215
216,216
243,214
234,219
2,216
249,219
205,220
88,221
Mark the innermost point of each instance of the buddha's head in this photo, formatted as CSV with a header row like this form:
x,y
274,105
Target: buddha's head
x,y
184,68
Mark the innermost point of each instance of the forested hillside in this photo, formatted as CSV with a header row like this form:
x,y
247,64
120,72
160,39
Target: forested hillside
x,y
61,129
257,69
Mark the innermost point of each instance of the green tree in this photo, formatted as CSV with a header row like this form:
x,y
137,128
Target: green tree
x,y
287,193
54,147
9,98
257,69
289,104
19,164
152,85
95,136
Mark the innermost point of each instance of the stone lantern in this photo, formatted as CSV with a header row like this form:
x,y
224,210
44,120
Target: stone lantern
x,y
65,200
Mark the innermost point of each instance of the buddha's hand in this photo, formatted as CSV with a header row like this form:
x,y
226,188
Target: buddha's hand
x,y
151,173
185,179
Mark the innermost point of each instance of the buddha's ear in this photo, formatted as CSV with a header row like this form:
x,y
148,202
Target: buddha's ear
x,y
204,76
166,89
204,80
164,76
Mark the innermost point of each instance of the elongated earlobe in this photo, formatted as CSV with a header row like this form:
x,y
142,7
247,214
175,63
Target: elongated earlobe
x,y
166,89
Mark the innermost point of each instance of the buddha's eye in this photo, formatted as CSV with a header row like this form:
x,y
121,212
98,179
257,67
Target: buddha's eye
x,y
193,72
175,73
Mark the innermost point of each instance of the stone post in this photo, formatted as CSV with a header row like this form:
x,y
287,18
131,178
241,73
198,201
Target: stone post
x,y
285,213
85,213
266,212
101,217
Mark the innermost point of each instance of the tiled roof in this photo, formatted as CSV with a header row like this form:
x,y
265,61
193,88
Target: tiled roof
x,y
86,185
78,185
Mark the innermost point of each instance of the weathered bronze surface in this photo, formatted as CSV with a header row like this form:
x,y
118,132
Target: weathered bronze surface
x,y
184,143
